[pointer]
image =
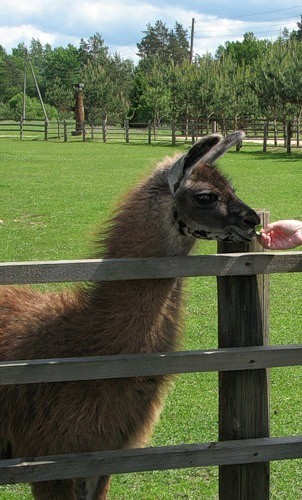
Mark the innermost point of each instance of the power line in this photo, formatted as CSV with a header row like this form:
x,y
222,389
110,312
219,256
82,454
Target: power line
x,y
130,48
255,24
267,12
244,29
238,35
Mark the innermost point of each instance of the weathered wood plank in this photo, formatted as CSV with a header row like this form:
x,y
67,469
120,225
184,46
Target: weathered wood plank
x,y
229,264
137,365
160,458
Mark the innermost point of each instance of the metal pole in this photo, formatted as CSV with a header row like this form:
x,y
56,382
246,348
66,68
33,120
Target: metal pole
x,y
24,93
37,86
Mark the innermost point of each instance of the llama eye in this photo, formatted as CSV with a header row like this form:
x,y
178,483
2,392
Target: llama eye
x,y
206,199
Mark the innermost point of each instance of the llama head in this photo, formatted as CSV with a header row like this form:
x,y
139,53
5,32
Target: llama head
x,y
205,202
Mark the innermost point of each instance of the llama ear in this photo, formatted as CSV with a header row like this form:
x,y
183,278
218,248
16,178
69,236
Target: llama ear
x,y
180,169
222,147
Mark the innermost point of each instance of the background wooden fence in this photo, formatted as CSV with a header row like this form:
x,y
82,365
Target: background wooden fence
x,y
244,449
276,133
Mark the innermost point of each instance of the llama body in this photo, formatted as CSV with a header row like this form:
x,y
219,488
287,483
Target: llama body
x,y
112,318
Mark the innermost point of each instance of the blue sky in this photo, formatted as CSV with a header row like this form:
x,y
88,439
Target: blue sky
x,y
121,23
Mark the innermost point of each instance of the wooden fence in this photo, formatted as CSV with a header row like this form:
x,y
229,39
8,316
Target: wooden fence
x,y
269,133
244,449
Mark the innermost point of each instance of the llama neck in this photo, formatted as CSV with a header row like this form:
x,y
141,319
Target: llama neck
x,y
144,224
140,315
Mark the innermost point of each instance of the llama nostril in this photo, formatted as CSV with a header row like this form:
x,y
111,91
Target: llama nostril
x,y
251,220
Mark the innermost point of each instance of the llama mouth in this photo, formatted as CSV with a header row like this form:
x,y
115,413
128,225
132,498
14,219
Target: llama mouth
x,y
239,235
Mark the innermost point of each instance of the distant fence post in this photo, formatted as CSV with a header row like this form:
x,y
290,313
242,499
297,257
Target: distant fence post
x,y
65,131
214,127
298,131
192,131
173,134
104,131
21,128
275,133
265,135
45,129
289,133
243,395
84,130
126,125
149,131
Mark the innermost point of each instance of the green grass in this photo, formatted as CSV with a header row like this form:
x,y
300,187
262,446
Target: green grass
x,y
53,196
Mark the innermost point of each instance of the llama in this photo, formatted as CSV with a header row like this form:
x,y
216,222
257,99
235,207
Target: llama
x,y
185,198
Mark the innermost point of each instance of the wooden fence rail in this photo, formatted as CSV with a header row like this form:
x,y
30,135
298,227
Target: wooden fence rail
x,y
242,361
275,133
225,453
227,264
139,365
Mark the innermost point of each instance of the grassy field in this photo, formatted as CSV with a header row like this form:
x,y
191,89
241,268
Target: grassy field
x,y
53,197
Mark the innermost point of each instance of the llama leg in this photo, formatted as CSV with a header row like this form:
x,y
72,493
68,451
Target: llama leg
x,y
102,488
54,490
95,488
5,449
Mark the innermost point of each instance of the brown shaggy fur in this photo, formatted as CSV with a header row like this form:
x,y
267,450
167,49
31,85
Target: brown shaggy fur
x,y
100,319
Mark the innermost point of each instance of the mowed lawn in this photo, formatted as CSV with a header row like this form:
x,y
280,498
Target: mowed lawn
x,y
54,198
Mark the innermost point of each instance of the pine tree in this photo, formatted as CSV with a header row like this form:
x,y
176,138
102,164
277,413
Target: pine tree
x,y
167,45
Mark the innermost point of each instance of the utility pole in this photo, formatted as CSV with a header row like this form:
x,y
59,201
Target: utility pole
x,y
192,40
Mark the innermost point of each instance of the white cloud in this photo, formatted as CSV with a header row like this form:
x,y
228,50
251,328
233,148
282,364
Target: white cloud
x,y
25,33
19,12
121,24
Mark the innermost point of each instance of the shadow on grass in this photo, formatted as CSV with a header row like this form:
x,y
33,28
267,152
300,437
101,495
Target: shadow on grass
x,y
246,150
272,154
162,144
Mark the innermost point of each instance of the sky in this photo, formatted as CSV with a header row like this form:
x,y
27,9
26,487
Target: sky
x,y
121,23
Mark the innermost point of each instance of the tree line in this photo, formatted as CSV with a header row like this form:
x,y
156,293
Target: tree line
x,y
253,78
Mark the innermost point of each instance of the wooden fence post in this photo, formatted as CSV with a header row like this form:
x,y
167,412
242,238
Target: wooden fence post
x,y
192,131
289,133
84,130
149,131
65,131
298,131
275,133
45,129
21,128
214,127
126,125
173,134
104,131
243,395
265,135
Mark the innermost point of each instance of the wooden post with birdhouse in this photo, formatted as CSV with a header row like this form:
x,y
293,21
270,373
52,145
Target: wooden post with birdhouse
x,y
79,111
